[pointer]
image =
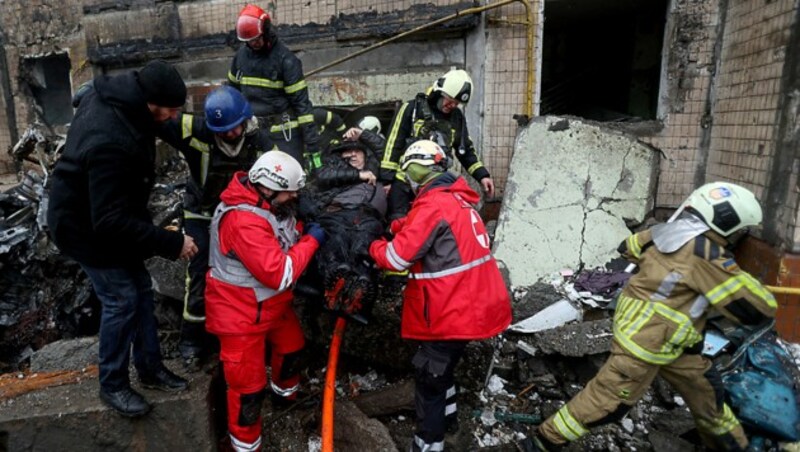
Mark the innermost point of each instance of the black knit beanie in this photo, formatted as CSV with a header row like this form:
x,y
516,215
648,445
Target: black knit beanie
x,y
162,84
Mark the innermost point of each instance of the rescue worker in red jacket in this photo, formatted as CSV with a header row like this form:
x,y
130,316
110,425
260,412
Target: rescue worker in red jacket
x,y
215,147
271,78
256,255
685,271
455,292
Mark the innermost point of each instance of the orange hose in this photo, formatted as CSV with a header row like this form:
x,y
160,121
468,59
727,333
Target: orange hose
x,y
329,393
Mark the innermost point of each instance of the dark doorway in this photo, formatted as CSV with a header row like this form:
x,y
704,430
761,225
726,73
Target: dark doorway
x,y
49,80
602,60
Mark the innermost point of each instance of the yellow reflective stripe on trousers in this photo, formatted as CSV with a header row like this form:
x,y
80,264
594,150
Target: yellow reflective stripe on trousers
x,y
188,215
232,77
720,426
474,167
291,89
633,314
734,283
568,426
261,82
186,126
305,119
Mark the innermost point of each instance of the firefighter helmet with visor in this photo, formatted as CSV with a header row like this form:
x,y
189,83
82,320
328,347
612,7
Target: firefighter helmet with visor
x,y
725,207
456,84
252,23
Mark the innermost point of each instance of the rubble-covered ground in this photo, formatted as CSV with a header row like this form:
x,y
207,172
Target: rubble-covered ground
x,y
507,385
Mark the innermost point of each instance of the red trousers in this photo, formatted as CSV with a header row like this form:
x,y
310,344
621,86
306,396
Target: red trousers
x,y
243,363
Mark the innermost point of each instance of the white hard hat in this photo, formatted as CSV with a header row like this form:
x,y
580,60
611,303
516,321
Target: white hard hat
x,y
278,171
725,207
425,153
370,123
456,84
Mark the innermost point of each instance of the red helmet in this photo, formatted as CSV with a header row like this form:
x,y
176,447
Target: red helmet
x,y
251,23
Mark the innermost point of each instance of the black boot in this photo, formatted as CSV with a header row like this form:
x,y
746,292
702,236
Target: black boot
x,y
126,402
164,380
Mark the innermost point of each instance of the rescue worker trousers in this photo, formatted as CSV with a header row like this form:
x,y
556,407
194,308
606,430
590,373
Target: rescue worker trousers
x,y
243,365
623,380
194,340
435,392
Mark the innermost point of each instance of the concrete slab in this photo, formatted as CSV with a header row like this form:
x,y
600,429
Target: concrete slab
x,y
71,417
572,191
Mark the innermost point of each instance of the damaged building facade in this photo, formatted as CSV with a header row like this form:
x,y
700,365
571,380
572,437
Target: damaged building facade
x,y
710,87
592,117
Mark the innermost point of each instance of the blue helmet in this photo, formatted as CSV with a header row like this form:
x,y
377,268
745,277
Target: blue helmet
x,y
226,108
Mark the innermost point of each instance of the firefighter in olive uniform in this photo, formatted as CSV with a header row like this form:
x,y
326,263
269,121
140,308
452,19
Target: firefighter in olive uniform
x,y
271,78
434,116
225,141
685,271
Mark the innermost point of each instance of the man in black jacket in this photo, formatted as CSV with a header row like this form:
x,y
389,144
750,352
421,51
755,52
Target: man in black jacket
x,y
98,216
271,78
226,140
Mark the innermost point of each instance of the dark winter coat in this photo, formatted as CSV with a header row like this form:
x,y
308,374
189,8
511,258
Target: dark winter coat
x,y
272,81
101,184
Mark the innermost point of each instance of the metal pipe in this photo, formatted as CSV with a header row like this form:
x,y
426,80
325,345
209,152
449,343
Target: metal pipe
x,y
784,290
474,10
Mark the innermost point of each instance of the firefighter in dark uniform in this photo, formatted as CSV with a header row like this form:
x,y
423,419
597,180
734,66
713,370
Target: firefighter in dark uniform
x,y
227,140
434,116
331,129
685,271
271,78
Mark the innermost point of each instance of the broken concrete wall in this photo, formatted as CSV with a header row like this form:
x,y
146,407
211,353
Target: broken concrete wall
x,y
573,191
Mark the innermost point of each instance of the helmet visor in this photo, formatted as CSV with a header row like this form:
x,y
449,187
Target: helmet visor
x,y
248,28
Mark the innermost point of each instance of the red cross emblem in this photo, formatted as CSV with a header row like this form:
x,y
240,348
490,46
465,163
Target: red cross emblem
x,y
278,168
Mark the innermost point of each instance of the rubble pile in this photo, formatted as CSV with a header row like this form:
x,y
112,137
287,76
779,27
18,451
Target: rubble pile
x,y
43,295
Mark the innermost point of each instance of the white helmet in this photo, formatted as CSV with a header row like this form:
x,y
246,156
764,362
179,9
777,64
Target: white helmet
x,y
370,123
456,84
278,171
425,153
724,207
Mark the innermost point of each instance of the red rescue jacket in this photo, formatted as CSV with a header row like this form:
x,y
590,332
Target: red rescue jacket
x,y
455,290
234,310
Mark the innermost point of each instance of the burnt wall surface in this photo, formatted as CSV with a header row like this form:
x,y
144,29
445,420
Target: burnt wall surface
x,y
105,36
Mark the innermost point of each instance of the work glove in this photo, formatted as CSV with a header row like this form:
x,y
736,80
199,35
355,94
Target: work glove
x,y
316,231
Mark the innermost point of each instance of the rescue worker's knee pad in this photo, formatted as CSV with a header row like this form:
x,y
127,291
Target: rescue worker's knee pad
x,y
250,407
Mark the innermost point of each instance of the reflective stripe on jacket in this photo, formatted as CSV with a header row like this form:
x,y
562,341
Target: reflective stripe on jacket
x,y
455,290
663,309
251,251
